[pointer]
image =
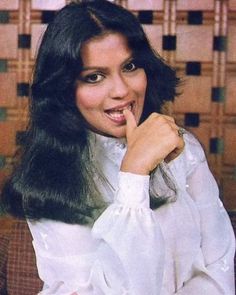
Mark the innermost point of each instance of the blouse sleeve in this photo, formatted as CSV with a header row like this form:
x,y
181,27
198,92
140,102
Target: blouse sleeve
x,y
129,255
131,230
217,237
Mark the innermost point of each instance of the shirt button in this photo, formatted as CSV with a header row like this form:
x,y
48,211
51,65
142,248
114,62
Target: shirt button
x,y
121,145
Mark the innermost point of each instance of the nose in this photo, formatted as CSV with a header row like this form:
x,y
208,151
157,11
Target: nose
x,y
119,87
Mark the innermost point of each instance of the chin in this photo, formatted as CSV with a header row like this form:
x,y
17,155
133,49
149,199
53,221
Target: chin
x,y
119,133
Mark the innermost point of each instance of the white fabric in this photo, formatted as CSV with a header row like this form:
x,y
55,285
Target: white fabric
x,y
185,247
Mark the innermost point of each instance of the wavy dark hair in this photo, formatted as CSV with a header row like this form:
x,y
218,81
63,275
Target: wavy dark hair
x,y
53,177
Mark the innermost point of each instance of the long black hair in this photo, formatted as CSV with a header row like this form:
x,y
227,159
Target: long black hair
x,y
53,178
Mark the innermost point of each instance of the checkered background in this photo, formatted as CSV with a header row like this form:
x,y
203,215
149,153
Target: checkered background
x,y
196,37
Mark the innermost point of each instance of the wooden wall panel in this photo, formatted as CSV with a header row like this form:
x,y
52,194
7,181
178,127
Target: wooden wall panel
x,y
196,95
8,41
9,4
48,5
155,33
190,40
145,5
195,5
198,38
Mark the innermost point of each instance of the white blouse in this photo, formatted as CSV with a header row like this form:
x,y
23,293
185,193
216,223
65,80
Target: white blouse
x,y
184,247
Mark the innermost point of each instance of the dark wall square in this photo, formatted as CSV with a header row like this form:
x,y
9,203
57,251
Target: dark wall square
x,y
169,42
24,41
145,16
193,68
3,114
195,17
3,65
47,16
22,89
220,43
191,119
216,145
4,17
2,161
218,94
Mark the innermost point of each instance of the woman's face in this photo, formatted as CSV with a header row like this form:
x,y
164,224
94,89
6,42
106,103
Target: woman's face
x,y
109,83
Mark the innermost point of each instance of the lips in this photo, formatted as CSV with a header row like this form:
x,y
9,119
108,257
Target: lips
x,y
116,113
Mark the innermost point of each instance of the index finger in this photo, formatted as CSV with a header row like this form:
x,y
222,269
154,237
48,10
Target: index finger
x,y
130,122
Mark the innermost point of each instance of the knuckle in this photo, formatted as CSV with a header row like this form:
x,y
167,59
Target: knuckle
x,y
153,115
161,120
172,119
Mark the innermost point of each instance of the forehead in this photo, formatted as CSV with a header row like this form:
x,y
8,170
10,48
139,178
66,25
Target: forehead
x,y
110,47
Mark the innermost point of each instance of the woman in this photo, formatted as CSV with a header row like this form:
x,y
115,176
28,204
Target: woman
x,y
117,198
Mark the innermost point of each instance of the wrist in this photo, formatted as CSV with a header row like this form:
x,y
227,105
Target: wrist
x,y
133,167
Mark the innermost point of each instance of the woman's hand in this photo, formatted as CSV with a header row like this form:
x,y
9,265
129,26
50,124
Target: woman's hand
x,y
148,144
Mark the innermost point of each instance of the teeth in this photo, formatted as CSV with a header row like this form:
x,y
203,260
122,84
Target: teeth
x,y
129,107
117,115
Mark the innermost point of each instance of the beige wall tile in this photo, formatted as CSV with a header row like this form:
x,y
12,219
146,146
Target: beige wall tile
x,y
229,196
231,53
230,102
229,145
195,4
232,4
37,31
196,95
48,4
8,41
7,135
7,89
154,33
145,4
194,43
203,133
9,4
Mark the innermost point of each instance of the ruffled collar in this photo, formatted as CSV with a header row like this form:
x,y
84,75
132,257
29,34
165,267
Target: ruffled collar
x,y
110,147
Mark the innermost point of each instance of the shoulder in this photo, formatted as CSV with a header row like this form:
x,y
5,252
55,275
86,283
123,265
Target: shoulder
x,y
46,232
193,150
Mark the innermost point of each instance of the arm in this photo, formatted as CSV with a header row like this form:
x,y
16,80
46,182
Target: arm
x,y
218,242
130,228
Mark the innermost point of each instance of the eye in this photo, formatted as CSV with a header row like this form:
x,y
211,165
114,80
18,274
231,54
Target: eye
x,y
93,78
130,67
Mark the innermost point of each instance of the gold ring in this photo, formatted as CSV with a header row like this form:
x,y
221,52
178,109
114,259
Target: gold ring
x,y
181,132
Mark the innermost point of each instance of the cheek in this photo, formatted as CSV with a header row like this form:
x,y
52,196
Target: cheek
x,y
142,92
141,86
86,99
141,80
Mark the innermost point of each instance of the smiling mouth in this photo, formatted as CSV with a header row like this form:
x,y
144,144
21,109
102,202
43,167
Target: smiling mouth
x,y
116,114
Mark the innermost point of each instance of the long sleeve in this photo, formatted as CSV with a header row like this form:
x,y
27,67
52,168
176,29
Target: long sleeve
x,y
129,253
214,270
131,229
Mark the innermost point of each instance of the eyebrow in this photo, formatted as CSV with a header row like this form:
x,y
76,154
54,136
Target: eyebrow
x,y
104,68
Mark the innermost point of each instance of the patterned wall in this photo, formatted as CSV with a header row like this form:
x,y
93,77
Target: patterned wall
x,y
196,37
